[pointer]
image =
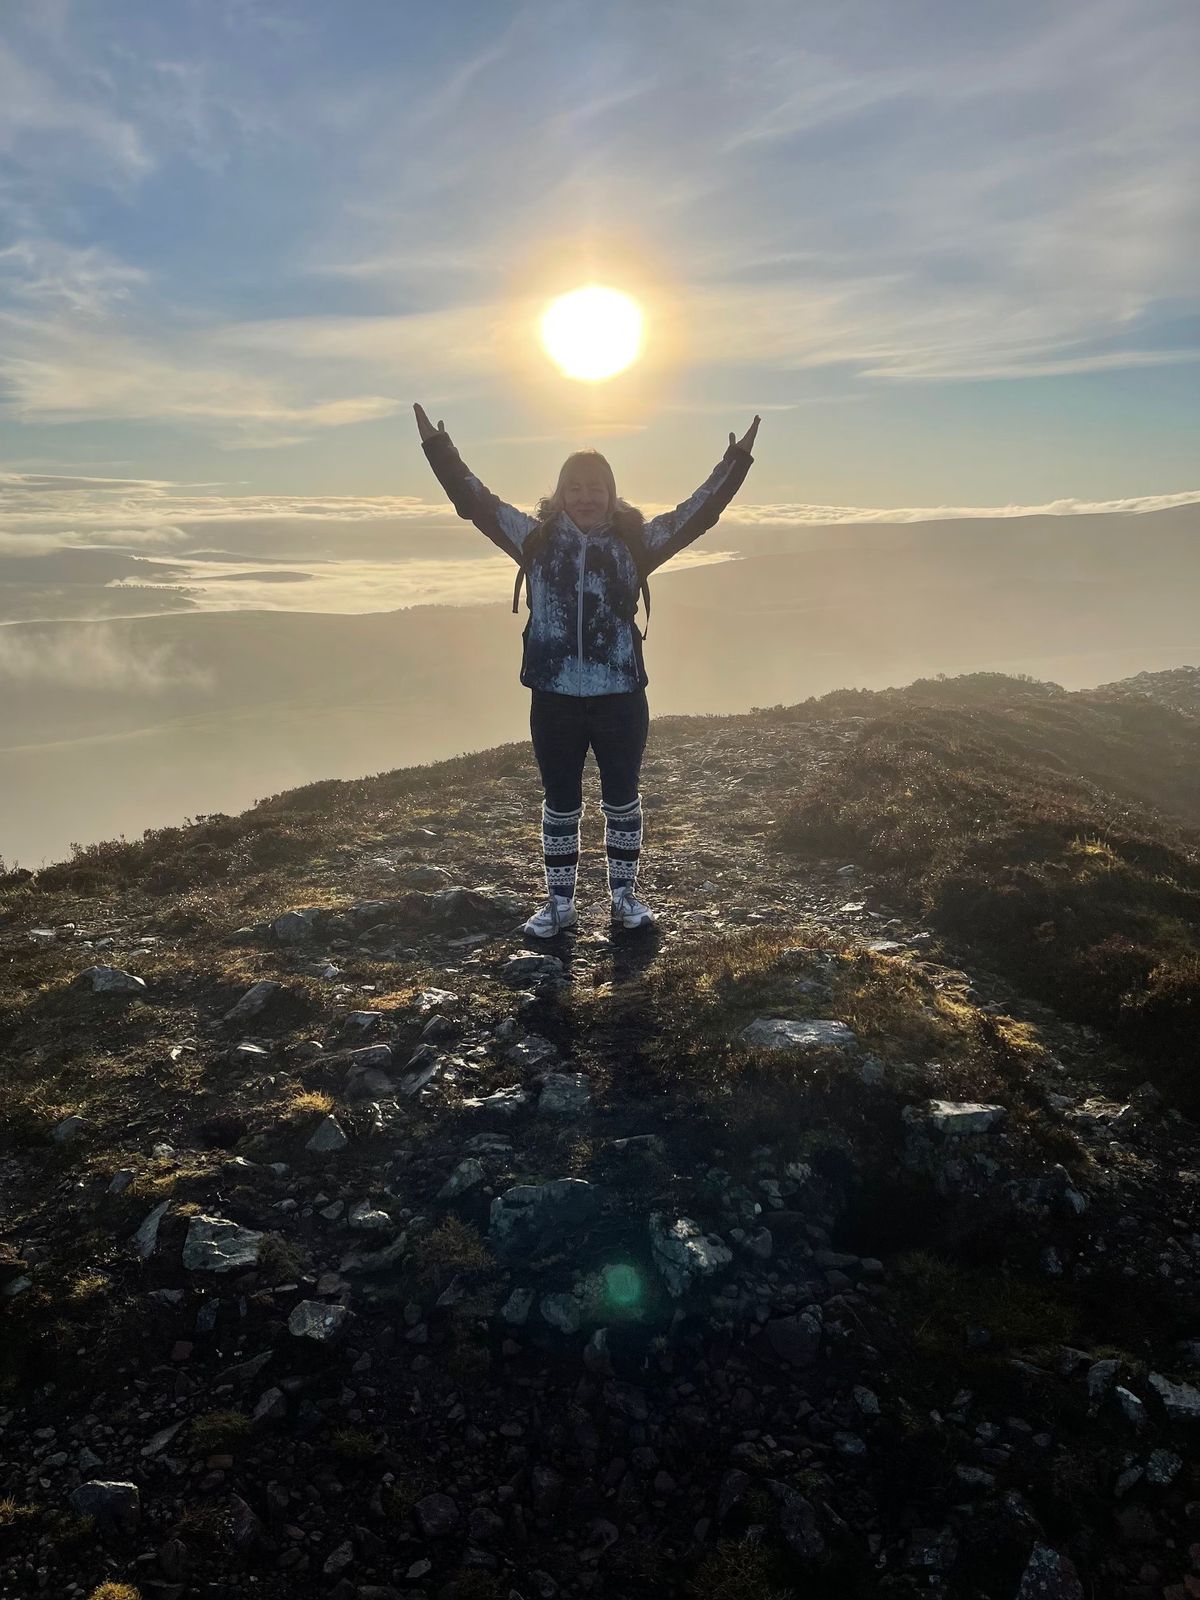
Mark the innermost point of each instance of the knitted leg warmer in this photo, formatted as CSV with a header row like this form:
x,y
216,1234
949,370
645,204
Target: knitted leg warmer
x,y
622,842
560,849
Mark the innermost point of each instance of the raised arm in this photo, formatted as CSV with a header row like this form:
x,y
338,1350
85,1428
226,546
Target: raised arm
x,y
503,524
670,532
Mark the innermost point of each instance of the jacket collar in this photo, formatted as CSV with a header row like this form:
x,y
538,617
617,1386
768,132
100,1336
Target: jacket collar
x,y
569,525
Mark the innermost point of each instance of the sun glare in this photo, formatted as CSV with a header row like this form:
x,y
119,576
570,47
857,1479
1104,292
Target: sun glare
x,y
593,333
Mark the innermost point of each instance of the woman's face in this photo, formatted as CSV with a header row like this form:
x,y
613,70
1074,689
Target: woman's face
x,y
585,497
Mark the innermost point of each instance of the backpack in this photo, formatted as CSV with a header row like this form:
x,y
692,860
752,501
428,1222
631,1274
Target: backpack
x,y
633,544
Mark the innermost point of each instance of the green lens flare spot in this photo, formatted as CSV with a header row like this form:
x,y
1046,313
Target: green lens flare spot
x,y
623,1285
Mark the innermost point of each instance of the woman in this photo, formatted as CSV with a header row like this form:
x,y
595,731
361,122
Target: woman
x,y
584,556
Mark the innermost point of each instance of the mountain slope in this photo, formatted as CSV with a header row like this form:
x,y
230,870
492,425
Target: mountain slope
x,y
906,1306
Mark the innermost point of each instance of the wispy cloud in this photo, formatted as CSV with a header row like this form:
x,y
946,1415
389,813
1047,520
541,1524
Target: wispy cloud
x,y
95,660
59,372
131,512
811,515
35,500
63,115
270,228
44,272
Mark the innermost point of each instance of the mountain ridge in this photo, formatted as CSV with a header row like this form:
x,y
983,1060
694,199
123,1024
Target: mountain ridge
x,y
936,1327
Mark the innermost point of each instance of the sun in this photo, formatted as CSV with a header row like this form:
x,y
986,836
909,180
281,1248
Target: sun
x,y
593,333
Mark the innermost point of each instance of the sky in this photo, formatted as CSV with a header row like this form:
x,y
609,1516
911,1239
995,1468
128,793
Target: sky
x,y
946,251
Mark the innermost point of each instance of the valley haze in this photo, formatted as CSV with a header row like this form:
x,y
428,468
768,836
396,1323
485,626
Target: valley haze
x,y
310,665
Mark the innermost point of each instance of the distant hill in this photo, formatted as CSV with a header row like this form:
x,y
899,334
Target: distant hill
x,y
1178,688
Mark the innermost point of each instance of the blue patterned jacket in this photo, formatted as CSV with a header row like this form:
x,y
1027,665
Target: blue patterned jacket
x,y
581,637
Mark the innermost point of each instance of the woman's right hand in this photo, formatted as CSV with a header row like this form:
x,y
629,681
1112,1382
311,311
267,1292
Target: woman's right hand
x,y
424,427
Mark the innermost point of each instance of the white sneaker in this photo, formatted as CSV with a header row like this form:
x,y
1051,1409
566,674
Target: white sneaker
x,y
629,912
556,915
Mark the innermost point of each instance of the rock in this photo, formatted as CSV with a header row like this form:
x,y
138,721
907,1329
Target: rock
x,y
561,1311
313,1319
1049,1575
596,1356
294,927
798,1524
214,1244
1163,1467
640,1143
368,1083
484,1526
626,1400
338,1560
361,1023
1181,1400
253,1001
489,1144
758,1243
958,1117
459,904
516,1308
466,1175
523,967
529,1215
533,1052
436,1514
423,1067
271,1406
419,875
116,1506
933,1550
245,1527
328,1137
70,1128
733,1486
109,980
370,1055
682,1251
505,1102
1131,1406
564,1094
431,999
795,1339
376,1260
121,1180
244,1371
782,1033
248,1054
1100,1377
145,1239
365,1217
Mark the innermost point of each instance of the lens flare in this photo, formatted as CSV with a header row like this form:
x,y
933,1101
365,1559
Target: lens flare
x,y
622,1285
592,333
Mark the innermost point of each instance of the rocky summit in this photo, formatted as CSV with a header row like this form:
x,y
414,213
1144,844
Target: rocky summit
x,y
355,1245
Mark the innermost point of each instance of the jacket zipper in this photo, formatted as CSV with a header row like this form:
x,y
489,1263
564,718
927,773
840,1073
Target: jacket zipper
x,y
582,566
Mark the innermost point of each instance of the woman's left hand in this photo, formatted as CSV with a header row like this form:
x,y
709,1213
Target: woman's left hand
x,y
746,442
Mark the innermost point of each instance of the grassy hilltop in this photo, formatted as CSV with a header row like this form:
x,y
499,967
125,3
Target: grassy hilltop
x,y
901,1302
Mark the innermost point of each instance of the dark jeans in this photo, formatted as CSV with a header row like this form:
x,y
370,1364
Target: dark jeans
x,y
564,725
